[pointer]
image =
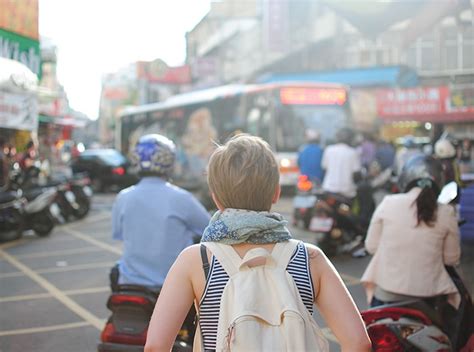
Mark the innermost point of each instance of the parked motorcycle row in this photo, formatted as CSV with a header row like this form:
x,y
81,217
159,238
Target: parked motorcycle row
x,y
30,204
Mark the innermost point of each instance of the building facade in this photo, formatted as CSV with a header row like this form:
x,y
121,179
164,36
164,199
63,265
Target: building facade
x,y
410,48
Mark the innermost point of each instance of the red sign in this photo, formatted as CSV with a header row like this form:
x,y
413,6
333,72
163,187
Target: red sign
x,y
313,96
413,101
164,74
430,104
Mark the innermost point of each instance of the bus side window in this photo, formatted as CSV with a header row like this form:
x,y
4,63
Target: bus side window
x,y
253,119
265,126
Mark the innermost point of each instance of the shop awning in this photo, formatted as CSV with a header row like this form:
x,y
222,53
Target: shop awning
x,y
63,121
392,76
16,77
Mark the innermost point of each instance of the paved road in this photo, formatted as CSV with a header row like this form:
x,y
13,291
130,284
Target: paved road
x,y
53,290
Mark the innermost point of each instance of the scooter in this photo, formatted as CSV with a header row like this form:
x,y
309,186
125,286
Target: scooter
x,y
81,188
307,193
336,228
11,217
419,325
39,212
126,329
416,325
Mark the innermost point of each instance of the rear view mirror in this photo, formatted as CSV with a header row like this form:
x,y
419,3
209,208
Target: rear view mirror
x,y
448,193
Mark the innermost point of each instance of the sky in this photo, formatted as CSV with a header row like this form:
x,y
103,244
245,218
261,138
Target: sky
x,y
95,37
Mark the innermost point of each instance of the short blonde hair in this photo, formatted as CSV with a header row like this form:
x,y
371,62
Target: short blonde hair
x,y
243,173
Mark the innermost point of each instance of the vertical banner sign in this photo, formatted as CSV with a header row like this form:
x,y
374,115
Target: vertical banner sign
x,y
275,25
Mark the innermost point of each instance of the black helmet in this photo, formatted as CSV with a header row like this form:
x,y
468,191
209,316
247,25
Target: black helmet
x,y
345,135
421,167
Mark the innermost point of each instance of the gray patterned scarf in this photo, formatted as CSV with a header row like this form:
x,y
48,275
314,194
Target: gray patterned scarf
x,y
233,226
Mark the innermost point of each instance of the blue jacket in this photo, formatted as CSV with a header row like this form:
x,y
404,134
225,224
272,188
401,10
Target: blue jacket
x,y
309,161
156,221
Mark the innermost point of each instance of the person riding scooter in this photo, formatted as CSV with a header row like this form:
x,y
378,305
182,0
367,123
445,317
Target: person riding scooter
x,y
412,238
155,219
446,153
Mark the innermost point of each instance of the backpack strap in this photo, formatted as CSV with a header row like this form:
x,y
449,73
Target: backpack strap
x,y
226,255
205,261
283,251
232,263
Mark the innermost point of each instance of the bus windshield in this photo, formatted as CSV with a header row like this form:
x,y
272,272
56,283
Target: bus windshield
x,y
292,121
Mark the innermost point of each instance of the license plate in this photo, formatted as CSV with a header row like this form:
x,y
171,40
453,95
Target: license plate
x,y
304,202
70,197
87,191
318,224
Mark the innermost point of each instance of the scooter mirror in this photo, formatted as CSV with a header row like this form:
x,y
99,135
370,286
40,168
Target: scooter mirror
x,y
448,193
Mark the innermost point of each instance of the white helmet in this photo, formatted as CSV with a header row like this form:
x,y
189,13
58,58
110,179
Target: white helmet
x,y
312,135
444,149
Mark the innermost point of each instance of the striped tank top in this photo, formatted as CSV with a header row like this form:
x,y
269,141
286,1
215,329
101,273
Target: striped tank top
x,y
209,307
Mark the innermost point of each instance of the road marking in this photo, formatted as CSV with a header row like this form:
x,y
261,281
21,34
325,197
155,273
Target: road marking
x,y
85,291
24,297
60,296
79,324
12,274
75,267
60,252
12,243
89,239
78,292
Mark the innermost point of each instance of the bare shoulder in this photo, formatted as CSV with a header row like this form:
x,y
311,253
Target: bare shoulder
x,y
314,252
190,254
188,259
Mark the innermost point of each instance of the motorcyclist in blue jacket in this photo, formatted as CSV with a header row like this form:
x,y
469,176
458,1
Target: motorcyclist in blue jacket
x,y
155,219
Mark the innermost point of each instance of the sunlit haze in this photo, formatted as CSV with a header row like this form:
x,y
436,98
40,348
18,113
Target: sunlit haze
x,y
98,37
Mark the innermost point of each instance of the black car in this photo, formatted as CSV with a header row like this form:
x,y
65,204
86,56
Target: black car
x,y
106,168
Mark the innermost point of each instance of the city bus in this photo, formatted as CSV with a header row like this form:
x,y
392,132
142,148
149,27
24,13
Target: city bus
x,y
279,113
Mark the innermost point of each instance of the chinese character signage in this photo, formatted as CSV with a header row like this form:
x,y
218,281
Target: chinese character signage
x,y
434,104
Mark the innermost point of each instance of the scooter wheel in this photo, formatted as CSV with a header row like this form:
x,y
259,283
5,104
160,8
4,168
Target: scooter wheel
x,y
43,223
83,209
13,229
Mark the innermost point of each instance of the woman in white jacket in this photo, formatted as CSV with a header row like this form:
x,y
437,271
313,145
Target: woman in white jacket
x,y
412,238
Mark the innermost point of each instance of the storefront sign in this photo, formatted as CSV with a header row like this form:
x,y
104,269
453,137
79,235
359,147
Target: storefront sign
x,y
22,49
20,16
461,99
414,101
18,111
158,72
427,104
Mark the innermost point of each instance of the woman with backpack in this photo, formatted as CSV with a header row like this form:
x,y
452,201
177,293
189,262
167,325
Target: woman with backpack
x,y
253,286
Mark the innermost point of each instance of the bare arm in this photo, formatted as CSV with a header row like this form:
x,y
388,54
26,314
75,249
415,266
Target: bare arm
x,y
336,304
174,302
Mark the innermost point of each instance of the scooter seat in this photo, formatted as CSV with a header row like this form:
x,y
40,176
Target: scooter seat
x,y
33,193
432,310
6,197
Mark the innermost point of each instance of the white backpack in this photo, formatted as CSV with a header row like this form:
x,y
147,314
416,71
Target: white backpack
x,y
261,308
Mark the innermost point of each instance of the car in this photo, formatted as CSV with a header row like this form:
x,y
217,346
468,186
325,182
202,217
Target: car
x,y
107,168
